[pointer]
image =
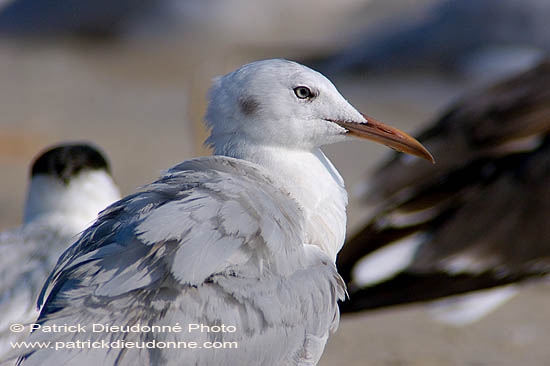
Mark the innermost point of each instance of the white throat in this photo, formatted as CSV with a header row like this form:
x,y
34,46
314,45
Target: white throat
x,y
74,205
313,182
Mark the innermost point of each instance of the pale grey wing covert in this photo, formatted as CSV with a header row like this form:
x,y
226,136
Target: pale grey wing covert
x,y
212,242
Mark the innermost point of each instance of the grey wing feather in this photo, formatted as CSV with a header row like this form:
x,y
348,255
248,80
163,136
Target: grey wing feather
x,y
212,241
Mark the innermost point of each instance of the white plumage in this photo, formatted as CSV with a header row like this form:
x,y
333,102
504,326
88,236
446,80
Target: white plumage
x,y
66,192
246,238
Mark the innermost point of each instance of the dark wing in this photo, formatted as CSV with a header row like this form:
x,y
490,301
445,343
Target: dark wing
x,y
483,208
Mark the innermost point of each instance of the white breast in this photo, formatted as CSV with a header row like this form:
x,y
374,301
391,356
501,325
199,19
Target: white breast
x,y
311,180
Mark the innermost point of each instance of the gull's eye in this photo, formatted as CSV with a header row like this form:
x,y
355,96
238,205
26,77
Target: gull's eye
x,y
303,92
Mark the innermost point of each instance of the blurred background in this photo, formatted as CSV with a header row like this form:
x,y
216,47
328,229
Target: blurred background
x,y
132,78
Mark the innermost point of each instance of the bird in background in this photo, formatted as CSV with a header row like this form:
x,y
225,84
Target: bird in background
x,y
69,184
482,40
478,220
246,238
100,19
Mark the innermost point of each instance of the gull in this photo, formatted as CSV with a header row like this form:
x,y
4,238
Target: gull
x,y
478,221
70,183
245,239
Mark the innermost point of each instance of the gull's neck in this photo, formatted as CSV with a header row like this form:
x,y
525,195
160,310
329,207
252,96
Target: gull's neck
x,y
313,182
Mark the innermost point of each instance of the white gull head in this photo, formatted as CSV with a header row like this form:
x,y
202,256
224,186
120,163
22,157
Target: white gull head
x,y
278,113
277,103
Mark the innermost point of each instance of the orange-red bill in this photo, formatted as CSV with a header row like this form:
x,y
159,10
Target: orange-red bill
x,y
392,137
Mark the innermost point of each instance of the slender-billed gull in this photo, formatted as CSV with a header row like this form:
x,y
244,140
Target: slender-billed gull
x,y
224,260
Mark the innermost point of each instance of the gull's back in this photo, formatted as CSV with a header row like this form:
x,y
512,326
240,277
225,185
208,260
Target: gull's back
x,y
214,241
